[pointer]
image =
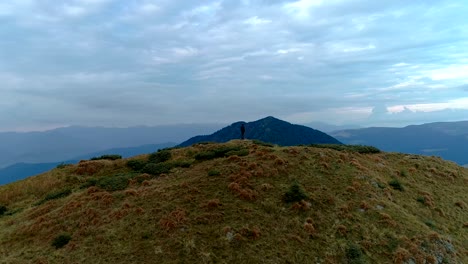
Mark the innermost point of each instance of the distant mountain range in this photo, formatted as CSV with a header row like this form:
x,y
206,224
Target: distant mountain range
x,y
269,129
19,171
448,140
71,142
327,128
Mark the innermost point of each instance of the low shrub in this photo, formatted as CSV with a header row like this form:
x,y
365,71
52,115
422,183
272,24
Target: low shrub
x,y
59,194
55,195
403,173
160,156
157,168
353,254
61,240
3,210
114,183
351,148
107,157
205,155
221,152
430,223
295,193
214,173
181,163
90,182
136,165
421,200
396,185
240,153
63,165
261,143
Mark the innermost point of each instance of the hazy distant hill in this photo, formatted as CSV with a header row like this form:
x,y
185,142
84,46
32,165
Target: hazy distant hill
x,y
269,129
325,127
70,142
445,139
19,171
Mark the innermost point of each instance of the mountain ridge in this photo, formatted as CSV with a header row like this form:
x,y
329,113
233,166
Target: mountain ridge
x,y
446,139
70,142
270,130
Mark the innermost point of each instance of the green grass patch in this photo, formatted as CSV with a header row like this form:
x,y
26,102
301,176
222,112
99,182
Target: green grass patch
x,y
214,173
220,152
240,153
55,195
261,143
430,223
181,163
404,173
89,182
350,148
157,168
116,182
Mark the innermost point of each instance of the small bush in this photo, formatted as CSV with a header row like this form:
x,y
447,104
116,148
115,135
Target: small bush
x,y
404,173
108,157
396,185
59,194
214,173
221,152
240,153
206,155
295,193
351,148
114,183
55,195
90,182
430,223
181,163
353,254
160,156
421,200
3,210
63,165
61,240
157,168
136,165
261,143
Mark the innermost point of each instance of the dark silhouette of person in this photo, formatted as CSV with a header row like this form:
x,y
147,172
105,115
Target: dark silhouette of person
x,y
242,129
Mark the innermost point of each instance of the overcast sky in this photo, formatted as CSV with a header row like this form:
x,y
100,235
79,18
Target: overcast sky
x,y
142,62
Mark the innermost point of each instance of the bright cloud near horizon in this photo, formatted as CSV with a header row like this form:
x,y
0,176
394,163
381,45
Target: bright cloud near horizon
x,y
126,63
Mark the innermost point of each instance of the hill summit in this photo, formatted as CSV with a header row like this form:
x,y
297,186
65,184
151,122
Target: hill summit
x,y
268,129
242,201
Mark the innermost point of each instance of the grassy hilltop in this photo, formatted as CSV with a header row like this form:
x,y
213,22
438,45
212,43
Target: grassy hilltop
x,y
241,202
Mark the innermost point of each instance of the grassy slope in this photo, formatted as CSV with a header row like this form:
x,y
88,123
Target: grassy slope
x,y
352,215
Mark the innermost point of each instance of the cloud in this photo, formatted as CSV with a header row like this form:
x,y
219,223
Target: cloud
x,y
256,21
464,87
221,61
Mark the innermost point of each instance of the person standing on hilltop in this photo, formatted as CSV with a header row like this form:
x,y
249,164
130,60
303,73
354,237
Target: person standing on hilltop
x,y
242,129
